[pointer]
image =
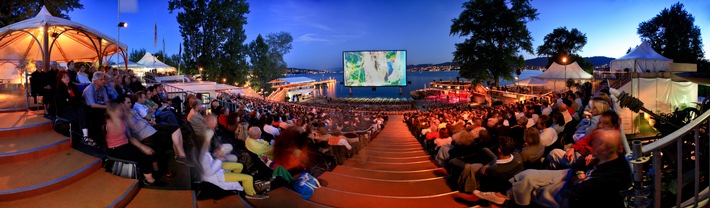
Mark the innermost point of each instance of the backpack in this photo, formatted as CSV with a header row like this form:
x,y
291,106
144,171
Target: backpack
x,y
254,166
306,185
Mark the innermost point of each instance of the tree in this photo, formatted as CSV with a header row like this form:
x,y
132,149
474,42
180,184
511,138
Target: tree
x,y
562,43
495,34
136,55
261,63
12,11
674,34
213,37
279,45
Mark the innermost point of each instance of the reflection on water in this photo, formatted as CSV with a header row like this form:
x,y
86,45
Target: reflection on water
x,y
419,80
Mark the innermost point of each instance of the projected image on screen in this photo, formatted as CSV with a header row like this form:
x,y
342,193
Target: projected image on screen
x,y
375,68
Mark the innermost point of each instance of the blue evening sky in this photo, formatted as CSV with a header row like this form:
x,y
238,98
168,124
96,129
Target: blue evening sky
x,y
322,29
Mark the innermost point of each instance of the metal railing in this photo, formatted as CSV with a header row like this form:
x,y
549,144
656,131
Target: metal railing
x,y
640,154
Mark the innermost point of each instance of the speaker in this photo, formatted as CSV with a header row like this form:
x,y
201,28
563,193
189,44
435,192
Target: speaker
x,y
374,88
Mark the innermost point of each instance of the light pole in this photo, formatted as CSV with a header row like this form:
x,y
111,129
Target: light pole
x,y
564,61
202,77
118,47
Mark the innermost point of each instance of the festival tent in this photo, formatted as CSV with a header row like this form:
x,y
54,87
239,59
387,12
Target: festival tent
x,y
660,95
532,81
642,59
46,37
131,65
556,75
151,62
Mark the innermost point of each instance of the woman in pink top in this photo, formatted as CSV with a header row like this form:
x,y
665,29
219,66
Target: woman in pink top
x,y
121,146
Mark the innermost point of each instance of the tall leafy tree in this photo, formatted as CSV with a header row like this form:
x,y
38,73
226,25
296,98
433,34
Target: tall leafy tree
x,y
279,45
562,43
12,11
213,37
136,55
496,32
673,33
261,63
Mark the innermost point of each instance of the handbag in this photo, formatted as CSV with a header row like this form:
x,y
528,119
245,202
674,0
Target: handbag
x,y
124,169
306,185
262,186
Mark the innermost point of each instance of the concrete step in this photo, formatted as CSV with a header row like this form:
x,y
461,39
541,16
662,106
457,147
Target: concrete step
x,y
97,189
45,174
284,197
29,147
164,198
388,175
226,202
366,185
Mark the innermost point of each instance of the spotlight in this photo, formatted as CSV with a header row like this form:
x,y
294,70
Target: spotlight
x,y
122,24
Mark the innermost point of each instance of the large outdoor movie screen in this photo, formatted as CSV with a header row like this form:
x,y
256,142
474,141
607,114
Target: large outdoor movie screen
x,y
375,68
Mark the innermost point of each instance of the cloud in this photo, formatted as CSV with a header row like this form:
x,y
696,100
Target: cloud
x,y
312,37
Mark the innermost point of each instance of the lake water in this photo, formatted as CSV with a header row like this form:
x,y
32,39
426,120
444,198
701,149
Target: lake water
x,y
418,79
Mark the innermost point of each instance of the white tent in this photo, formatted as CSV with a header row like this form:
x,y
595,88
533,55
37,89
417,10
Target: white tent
x,y
150,62
642,59
556,75
131,65
658,95
532,81
59,39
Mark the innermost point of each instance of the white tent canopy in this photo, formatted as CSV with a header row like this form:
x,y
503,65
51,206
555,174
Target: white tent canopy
x,y
532,81
557,75
65,40
131,65
570,71
642,59
150,62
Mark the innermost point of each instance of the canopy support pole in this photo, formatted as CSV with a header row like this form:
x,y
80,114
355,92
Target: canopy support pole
x,y
45,52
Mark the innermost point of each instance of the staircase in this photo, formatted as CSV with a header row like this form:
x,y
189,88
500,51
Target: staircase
x,y
40,169
392,171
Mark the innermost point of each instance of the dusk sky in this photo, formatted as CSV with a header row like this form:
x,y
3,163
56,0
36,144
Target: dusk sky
x,y
323,29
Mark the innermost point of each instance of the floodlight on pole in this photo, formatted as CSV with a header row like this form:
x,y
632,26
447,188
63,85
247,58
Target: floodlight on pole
x,y
201,76
122,24
564,61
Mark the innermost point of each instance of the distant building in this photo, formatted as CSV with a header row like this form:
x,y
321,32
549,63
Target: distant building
x,y
295,88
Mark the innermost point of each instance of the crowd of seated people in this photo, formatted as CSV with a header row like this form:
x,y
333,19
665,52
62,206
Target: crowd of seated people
x,y
270,141
560,150
115,115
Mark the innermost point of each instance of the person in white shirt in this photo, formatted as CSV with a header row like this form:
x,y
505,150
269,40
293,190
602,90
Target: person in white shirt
x,y
226,175
565,113
142,110
546,109
338,139
548,135
268,128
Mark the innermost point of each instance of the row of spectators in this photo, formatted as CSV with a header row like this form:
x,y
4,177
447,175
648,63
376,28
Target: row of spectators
x,y
258,142
562,150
